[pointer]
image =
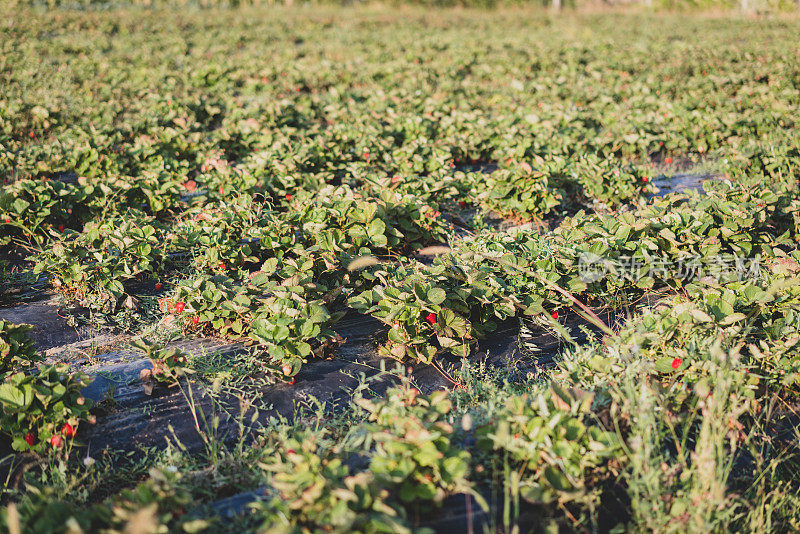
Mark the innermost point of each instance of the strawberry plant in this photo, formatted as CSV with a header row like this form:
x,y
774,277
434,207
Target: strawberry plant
x,y
31,209
284,324
170,364
274,316
314,491
420,314
226,237
414,451
41,411
217,302
98,265
16,347
341,221
551,442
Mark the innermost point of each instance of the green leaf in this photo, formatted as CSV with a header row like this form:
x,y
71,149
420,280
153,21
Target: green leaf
x,y
15,397
436,296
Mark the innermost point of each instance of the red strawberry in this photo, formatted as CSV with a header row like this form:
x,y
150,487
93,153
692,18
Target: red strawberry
x,y
60,227
196,319
8,220
290,451
645,179
30,439
221,266
68,430
676,363
32,135
668,160
158,286
462,204
288,196
431,318
554,315
56,441
179,307
190,185
220,190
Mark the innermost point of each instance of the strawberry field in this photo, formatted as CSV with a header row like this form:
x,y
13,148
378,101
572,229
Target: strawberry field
x,y
360,269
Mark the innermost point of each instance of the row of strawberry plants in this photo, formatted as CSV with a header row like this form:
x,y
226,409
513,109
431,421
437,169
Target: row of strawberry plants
x,y
99,265
403,456
459,297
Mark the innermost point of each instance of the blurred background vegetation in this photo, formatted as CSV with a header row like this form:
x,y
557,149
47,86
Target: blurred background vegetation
x,y
753,7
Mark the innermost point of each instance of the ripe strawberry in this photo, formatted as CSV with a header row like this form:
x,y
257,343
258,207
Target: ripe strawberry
x,y
668,160
221,190
30,439
32,135
676,363
8,220
431,318
179,307
645,179
61,228
68,430
158,286
554,315
190,185
195,319
56,441
288,196
290,451
221,266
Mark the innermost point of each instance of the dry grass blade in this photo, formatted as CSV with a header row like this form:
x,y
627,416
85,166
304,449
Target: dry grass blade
x,y
362,262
